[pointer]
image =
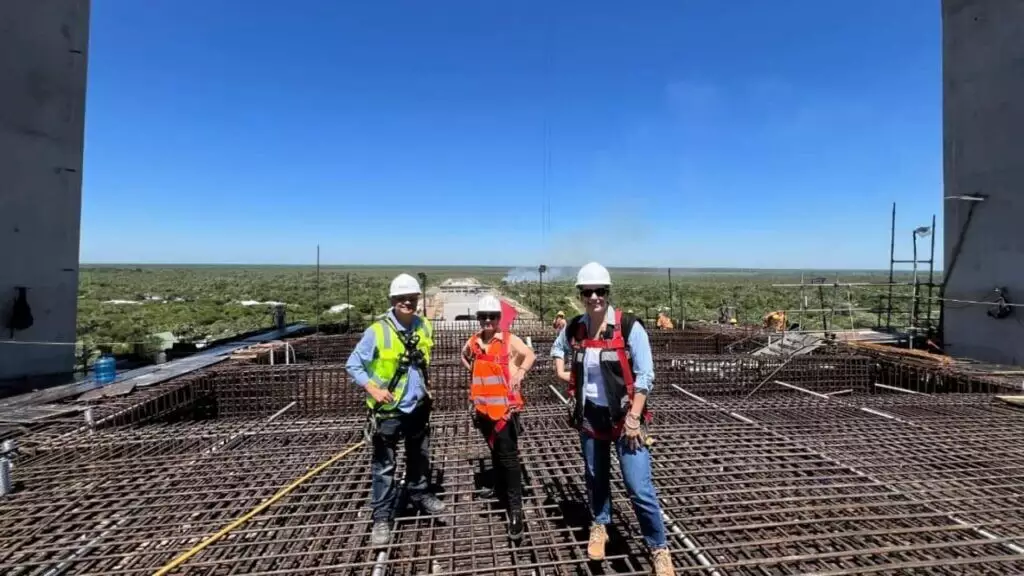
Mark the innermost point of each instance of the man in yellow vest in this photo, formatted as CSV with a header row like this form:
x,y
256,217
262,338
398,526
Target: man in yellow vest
x,y
391,363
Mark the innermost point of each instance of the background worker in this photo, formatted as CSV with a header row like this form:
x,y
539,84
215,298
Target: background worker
x,y
611,371
559,323
391,363
775,320
499,361
664,322
726,314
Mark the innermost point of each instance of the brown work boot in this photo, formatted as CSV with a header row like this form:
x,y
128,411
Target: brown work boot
x,y
663,562
598,538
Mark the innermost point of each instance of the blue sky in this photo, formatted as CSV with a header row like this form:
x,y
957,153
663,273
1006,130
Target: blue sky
x,y
661,133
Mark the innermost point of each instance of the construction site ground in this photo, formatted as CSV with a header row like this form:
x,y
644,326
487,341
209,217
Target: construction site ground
x,y
841,461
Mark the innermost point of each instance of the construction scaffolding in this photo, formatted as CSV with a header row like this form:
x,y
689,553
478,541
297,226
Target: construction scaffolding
x,y
910,314
846,460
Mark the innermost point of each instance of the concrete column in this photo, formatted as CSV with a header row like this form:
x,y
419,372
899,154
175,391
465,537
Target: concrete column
x,y
983,148
43,54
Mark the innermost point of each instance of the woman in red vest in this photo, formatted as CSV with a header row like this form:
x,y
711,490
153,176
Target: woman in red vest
x,y
499,361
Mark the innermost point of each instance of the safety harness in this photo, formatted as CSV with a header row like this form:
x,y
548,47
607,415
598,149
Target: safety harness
x,y
412,357
612,341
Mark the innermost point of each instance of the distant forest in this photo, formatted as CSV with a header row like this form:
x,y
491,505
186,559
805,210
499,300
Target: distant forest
x,y
126,304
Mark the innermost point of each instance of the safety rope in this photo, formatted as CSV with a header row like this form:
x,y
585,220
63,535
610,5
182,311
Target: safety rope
x,y
184,557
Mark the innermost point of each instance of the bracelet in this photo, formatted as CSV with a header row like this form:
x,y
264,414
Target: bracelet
x,y
632,422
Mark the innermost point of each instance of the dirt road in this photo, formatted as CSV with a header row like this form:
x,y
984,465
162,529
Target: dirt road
x,y
459,296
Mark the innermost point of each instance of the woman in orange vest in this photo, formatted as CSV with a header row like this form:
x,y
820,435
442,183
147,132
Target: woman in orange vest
x,y
499,361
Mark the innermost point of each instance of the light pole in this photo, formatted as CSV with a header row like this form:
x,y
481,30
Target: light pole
x,y
423,286
540,275
820,281
671,307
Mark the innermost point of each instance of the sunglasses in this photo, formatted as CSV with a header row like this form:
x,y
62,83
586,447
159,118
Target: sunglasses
x,y
488,316
588,292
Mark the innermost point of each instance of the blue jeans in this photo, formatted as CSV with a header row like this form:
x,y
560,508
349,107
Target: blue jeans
x,y
636,471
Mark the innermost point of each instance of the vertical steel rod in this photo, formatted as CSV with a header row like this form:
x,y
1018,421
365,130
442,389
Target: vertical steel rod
x,y
892,263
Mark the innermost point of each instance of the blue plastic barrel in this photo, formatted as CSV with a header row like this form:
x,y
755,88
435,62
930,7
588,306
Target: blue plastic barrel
x,y
105,369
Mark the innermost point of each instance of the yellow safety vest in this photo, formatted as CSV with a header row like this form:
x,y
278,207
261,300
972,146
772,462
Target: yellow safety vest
x,y
389,351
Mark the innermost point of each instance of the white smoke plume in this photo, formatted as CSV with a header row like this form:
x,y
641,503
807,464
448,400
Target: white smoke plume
x,y
523,274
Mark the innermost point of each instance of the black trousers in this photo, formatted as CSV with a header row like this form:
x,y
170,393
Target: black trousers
x,y
415,429
508,472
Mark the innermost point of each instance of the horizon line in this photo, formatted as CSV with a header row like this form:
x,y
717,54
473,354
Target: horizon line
x,y
532,267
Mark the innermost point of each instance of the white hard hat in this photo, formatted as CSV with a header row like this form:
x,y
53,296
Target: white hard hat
x,y
593,274
404,284
489,303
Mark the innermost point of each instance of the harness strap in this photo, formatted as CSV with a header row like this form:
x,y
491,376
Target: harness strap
x,y
581,336
495,430
616,343
409,341
612,341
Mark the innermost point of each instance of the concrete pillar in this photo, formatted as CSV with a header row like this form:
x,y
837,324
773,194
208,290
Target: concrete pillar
x,y
43,48
983,148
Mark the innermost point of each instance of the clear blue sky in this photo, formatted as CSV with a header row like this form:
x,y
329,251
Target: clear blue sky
x,y
748,133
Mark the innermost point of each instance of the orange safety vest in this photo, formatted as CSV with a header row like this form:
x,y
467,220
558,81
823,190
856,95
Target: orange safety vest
x,y
489,391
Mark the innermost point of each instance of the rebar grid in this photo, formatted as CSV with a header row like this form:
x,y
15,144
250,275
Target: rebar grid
x,y
763,466
335,349
179,398
933,373
987,537
122,503
742,375
770,504
960,453
756,503
324,390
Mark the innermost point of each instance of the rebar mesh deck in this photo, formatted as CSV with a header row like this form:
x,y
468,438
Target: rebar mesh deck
x,y
760,468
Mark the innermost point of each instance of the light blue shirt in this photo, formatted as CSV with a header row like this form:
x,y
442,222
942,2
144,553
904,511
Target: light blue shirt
x,y
593,386
365,352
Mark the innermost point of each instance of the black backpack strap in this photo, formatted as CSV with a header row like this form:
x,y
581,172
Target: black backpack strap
x,y
609,332
628,321
571,329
